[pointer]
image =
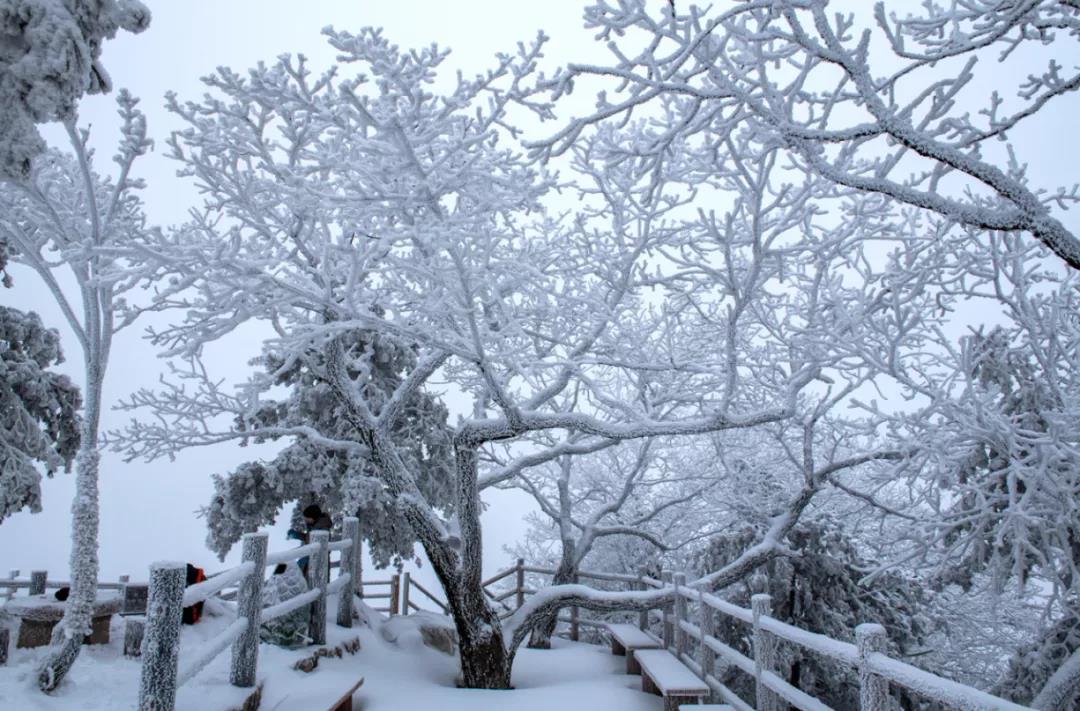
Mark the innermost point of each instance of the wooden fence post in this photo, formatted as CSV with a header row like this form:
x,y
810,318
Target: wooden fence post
x,y
707,625
575,628
764,654
12,576
643,615
318,576
395,586
682,646
351,531
873,689
161,646
406,583
38,579
245,650
666,613
520,597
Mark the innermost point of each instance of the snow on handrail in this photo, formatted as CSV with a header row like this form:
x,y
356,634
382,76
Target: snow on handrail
x,y
283,608
337,583
213,648
720,605
922,682
291,554
343,545
206,589
934,687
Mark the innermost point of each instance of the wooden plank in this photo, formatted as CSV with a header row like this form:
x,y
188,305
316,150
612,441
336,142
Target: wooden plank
x,y
668,674
345,702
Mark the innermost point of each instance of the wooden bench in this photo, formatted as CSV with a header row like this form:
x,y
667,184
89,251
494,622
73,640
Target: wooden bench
x,y
345,702
663,674
38,614
626,638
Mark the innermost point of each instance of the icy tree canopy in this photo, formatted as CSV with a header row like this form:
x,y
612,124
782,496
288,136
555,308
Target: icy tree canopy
x,y
49,57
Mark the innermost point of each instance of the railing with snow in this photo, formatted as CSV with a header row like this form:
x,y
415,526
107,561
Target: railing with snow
x,y
161,673
690,620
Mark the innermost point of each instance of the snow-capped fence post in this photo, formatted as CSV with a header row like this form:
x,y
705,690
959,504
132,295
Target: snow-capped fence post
x,y
318,576
764,654
406,582
37,581
873,689
245,649
520,580
5,642
351,531
681,643
575,628
643,615
666,613
12,576
134,631
707,625
161,646
395,586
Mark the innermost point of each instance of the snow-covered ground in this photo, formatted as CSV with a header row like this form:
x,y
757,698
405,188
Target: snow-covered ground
x,y
397,677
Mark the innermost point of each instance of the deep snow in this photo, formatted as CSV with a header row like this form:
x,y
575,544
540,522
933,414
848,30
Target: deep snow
x,y
397,677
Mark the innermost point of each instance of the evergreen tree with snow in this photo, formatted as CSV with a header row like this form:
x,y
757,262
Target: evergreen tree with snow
x,y
39,422
342,483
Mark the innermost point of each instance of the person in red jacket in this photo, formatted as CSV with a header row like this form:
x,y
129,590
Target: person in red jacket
x,y
193,613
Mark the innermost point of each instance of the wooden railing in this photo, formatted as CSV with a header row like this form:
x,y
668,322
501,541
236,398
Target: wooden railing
x,y
39,582
687,627
161,674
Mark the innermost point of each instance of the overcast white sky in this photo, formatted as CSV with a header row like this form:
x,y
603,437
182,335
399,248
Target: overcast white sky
x,y
148,509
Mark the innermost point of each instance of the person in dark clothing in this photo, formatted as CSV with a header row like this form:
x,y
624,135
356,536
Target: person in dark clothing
x,y
315,520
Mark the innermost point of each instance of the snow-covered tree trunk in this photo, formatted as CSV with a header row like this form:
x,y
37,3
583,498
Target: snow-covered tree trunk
x,y
69,632
565,574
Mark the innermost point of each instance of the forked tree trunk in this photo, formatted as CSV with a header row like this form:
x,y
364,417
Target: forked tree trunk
x,y
540,638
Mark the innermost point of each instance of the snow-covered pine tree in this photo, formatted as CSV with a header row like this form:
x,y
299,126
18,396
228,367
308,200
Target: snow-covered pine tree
x,y
340,482
39,420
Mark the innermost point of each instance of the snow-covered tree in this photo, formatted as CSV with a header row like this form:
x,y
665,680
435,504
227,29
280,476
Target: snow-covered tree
x,y
65,223
337,202
339,482
907,100
49,57
39,421
614,492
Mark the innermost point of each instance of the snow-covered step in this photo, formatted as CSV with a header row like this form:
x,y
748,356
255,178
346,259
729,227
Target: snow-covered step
x,y
663,674
625,638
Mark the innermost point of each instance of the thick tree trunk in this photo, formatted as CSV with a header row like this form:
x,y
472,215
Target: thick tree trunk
x,y
540,638
69,632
